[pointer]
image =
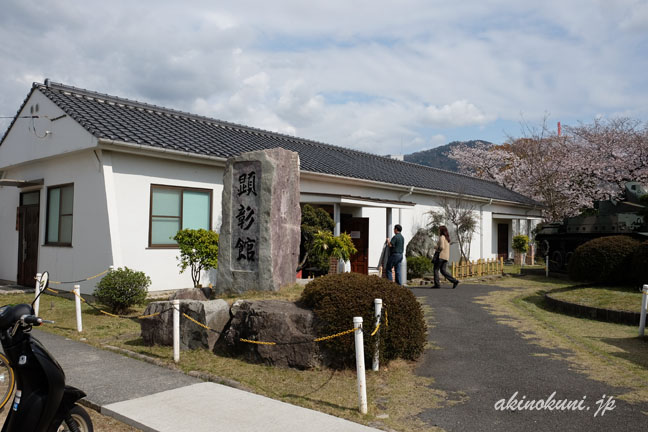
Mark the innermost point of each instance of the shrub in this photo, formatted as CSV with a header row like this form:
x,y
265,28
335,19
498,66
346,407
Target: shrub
x,y
640,264
336,299
313,220
520,243
603,260
198,250
417,266
340,247
122,288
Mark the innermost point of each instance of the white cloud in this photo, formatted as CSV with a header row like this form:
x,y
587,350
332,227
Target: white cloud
x,y
458,113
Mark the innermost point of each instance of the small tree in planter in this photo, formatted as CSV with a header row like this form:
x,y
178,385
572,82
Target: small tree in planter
x,y
340,247
521,247
198,250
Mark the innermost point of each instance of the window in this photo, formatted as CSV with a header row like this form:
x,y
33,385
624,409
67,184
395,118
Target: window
x,y
176,208
60,201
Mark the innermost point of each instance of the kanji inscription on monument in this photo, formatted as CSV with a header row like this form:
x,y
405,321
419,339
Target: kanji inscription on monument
x,y
245,208
260,232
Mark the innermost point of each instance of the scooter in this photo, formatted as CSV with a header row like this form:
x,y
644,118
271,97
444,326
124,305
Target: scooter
x,y
42,402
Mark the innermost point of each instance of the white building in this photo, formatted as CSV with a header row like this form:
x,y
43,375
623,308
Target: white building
x,y
89,180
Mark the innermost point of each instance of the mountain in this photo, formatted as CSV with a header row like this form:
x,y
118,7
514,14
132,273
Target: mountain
x,y
438,156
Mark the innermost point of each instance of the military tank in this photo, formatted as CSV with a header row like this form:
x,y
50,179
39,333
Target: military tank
x,y
557,241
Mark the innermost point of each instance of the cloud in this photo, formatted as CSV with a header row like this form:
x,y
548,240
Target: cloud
x,y
378,76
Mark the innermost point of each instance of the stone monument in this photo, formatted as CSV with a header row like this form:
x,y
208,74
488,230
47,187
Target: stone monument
x,y
260,233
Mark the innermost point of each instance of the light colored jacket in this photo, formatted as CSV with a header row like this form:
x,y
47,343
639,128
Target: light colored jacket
x,y
444,248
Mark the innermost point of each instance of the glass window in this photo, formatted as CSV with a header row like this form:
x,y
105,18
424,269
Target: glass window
x,y
60,204
30,198
176,208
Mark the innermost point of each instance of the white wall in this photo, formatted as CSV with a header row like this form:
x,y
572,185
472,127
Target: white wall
x,y
132,177
27,140
90,251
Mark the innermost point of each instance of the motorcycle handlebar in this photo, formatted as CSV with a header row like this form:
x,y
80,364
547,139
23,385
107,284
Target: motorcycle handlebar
x,y
32,320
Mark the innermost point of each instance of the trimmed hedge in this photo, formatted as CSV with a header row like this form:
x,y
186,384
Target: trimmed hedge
x,y
336,299
122,288
417,266
605,260
640,264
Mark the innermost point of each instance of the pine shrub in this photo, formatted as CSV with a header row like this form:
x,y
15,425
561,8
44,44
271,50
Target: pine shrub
x,y
605,260
122,288
336,299
418,266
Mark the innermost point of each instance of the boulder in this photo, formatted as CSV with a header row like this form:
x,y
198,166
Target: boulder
x,y
189,294
278,321
421,244
159,329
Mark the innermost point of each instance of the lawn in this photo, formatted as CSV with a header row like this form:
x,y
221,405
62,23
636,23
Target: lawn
x,y
395,394
616,298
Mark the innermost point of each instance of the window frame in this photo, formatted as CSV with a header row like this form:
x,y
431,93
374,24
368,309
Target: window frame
x,y
47,217
182,189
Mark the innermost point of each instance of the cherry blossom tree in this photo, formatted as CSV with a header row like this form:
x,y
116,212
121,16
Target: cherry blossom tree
x,y
566,173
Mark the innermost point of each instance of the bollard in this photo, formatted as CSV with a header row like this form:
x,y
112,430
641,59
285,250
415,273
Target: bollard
x,y
176,331
111,268
547,266
37,294
360,364
77,302
378,313
644,306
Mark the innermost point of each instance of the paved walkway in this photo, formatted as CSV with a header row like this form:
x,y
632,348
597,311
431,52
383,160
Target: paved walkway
x,y
154,399
484,362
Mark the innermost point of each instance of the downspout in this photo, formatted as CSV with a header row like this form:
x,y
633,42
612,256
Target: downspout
x,y
400,211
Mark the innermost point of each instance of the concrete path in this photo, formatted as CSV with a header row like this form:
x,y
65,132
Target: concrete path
x,y
482,362
154,399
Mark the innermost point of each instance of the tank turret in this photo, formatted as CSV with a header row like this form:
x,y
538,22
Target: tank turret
x,y
557,241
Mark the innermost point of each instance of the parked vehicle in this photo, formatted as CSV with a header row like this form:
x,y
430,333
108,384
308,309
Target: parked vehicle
x,y
42,402
557,241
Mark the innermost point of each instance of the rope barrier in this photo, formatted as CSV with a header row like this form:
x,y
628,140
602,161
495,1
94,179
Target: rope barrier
x,y
80,280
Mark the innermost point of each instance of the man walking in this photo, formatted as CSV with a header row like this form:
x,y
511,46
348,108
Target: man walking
x,y
396,245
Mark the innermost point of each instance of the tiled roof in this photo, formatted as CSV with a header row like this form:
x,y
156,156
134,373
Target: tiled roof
x,y
114,118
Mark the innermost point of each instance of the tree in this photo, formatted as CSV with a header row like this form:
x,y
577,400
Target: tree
x,y
198,250
313,220
340,247
566,173
460,215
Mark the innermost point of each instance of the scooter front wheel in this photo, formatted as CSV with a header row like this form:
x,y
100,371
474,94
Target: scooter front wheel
x,y
80,417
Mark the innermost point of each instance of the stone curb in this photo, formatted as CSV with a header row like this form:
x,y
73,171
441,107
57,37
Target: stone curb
x,y
599,314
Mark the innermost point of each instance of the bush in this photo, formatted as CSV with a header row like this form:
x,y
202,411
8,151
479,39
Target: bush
x,y
122,288
417,266
520,243
336,299
604,260
640,264
198,250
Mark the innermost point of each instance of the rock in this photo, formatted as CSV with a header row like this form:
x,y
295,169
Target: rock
x,y
189,294
273,321
261,228
421,244
159,329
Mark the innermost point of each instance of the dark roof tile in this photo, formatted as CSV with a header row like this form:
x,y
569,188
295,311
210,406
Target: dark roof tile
x,y
121,119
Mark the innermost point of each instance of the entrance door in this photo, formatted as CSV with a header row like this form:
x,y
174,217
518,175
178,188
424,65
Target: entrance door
x,y
502,241
28,215
358,229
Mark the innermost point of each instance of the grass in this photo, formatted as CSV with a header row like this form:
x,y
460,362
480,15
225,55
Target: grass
x,y
611,353
616,298
395,395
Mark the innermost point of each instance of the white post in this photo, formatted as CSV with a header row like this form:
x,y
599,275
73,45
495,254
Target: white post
x,y
111,268
547,265
644,306
176,331
360,364
37,294
378,313
77,302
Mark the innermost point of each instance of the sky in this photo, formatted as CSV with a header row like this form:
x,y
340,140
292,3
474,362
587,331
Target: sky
x,y
377,76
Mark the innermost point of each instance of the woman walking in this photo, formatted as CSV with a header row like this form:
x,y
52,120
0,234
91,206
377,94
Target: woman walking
x,y
441,264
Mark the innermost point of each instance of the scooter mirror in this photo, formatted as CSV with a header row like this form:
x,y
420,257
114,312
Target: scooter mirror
x,y
44,281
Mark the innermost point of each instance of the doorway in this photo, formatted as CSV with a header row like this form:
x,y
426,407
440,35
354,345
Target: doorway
x,y
358,229
502,241
27,218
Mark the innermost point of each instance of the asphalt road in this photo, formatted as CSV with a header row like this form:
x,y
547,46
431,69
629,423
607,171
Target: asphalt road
x,y
482,362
